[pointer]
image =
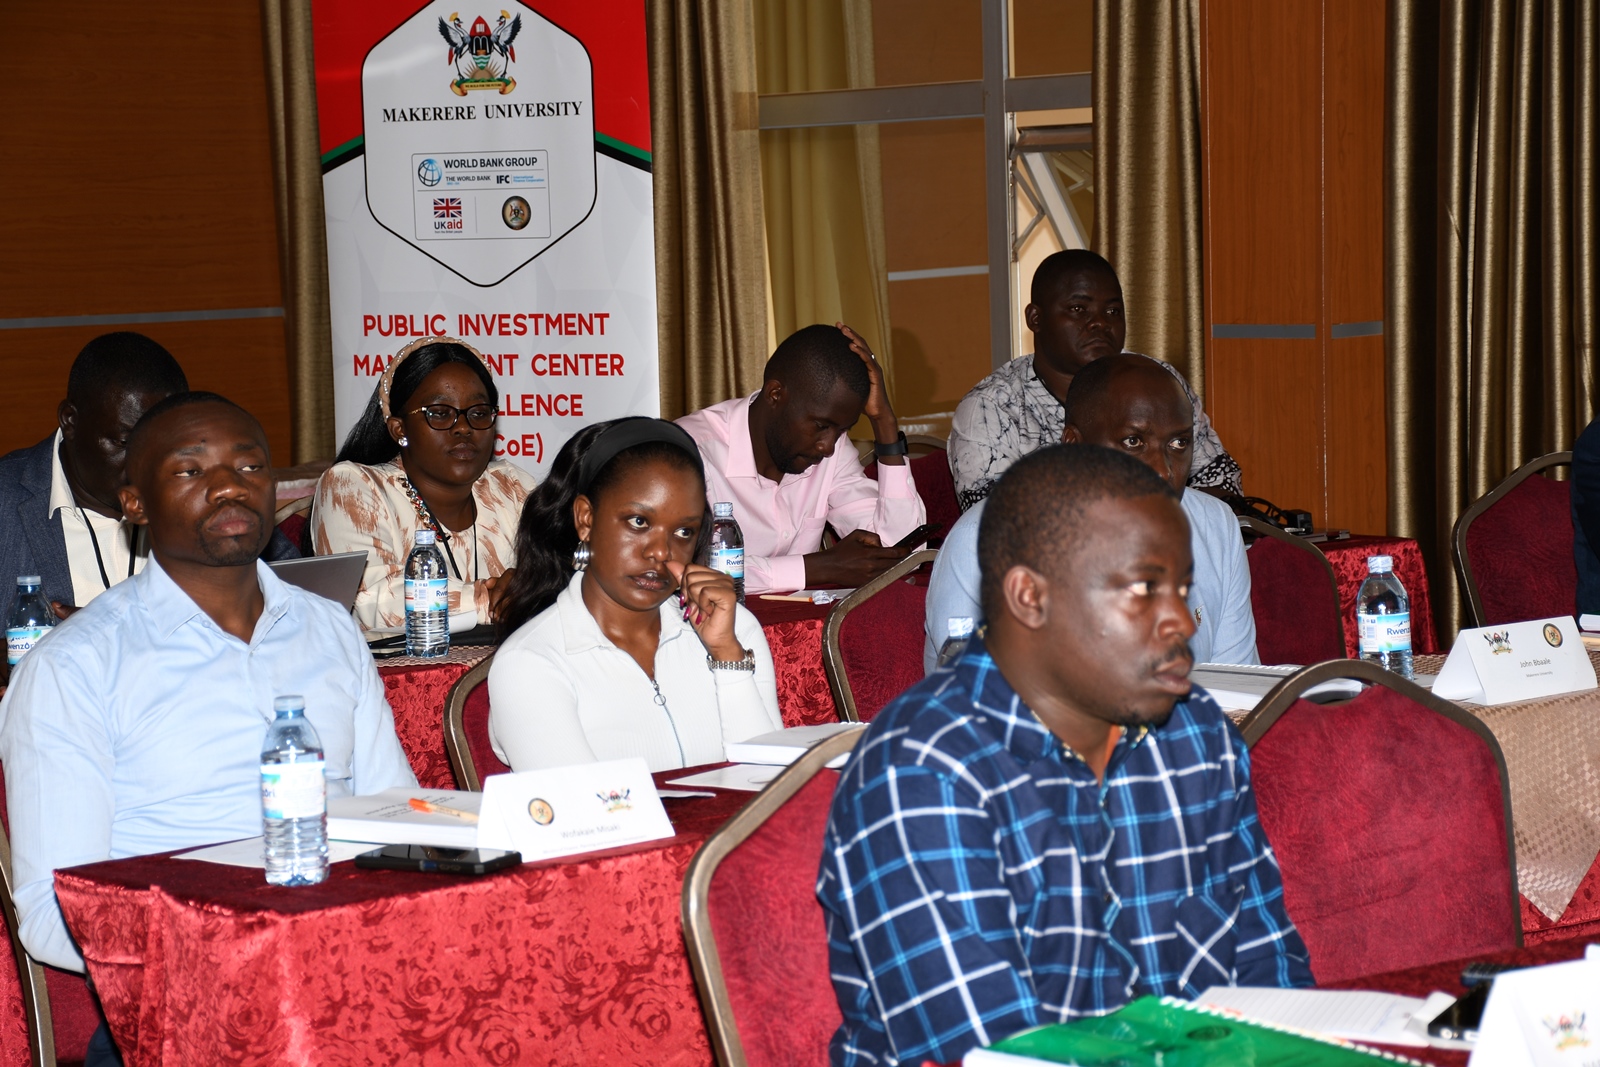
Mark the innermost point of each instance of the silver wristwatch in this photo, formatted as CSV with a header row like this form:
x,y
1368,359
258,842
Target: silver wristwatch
x,y
746,664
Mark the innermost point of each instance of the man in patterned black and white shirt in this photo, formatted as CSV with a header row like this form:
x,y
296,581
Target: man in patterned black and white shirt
x,y
1076,317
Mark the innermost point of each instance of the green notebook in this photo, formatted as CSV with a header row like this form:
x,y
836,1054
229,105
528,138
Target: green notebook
x,y
1166,1032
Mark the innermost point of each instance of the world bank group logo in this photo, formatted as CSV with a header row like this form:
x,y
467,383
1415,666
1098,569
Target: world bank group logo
x,y
429,173
482,56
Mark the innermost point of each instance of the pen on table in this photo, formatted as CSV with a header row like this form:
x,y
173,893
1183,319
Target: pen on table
x,y
418,804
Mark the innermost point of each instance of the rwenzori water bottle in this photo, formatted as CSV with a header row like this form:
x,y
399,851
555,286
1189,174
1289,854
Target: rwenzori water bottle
x,y
294,797
727,546
30,618
960,630
1383,617
427,599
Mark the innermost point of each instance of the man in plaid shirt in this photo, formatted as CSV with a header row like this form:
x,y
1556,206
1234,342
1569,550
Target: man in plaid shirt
x,y
1054,824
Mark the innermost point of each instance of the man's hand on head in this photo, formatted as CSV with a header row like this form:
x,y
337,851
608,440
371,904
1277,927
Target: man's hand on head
x,y
885,427
858,558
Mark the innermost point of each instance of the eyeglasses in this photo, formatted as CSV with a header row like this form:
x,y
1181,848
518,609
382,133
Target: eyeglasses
x,y
443,416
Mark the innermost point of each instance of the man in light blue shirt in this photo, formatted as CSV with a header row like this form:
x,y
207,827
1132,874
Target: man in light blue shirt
x,y
1131,403
136,725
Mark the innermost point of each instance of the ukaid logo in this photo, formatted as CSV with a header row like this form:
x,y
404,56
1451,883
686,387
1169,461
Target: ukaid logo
x,y
517,164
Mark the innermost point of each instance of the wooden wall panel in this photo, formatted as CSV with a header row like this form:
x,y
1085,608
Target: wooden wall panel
x,y
145,165
1262,165
1292,134
146,171
1267,416
1356,444
933,194
917,41
242,360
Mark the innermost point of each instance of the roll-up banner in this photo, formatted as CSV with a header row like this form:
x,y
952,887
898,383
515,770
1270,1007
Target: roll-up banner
x,y
486,175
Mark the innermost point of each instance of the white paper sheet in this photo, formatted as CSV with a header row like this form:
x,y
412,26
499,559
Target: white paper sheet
x,y
247,853
1353,1014
750,777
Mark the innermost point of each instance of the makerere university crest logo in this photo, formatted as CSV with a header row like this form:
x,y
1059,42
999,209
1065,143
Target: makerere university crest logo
x,y
482,57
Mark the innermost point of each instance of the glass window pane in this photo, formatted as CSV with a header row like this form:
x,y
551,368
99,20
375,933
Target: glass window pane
x,y
812,45
883,227
1052,37
1053,205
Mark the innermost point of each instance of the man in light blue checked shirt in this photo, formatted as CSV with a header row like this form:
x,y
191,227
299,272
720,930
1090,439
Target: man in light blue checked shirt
x,y
1054,824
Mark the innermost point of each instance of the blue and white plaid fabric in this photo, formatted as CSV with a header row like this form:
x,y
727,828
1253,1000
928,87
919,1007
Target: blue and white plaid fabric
x,y
978,880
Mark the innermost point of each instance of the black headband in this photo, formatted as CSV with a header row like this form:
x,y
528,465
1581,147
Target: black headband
x,y
624,434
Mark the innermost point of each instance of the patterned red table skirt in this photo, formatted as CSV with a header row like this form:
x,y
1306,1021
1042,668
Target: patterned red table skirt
x,y
1349,561
564,962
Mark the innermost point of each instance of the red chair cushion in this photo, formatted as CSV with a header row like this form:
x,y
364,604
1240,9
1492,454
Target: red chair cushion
x,y
771,935
1388,822
881,645
475,719
1521,553
935,485
1295,604
297,529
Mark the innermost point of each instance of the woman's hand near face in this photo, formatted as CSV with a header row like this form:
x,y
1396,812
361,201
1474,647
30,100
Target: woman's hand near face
x,y
711,603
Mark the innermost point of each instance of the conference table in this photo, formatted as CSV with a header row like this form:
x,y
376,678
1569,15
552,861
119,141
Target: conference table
x,y
573,961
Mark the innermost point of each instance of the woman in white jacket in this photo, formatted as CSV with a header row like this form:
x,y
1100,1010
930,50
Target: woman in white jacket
x,y
619,644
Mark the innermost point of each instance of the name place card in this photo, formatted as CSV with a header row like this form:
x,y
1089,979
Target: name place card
x,y
1543,1017
1516,661
566,810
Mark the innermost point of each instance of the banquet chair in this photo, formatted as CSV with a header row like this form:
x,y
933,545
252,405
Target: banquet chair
x,y
466,730
882,651
294,520
755,933
1390,815
1513,548
1294,597
57,1006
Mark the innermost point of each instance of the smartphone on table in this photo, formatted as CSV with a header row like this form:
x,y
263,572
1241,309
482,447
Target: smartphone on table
x,y
919,535
435,860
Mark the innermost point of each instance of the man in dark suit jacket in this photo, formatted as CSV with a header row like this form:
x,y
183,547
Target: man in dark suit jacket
x,y
115,380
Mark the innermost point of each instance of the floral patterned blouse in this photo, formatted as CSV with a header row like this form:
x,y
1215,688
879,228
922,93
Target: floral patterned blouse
x,y
360,507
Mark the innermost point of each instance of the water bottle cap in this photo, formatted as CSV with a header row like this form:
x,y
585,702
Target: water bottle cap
x,y
722,510
28,579
1380,564
426,537
289,703
961,626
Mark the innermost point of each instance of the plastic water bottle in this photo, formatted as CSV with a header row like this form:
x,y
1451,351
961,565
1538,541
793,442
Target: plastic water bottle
x,y
1383,617
30,618
727,546
427,599
294,797
960,630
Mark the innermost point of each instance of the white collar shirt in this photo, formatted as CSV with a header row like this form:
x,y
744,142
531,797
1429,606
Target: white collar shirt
x,y
101,551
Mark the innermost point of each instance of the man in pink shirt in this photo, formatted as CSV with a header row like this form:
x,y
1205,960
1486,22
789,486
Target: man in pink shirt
x,y
782,459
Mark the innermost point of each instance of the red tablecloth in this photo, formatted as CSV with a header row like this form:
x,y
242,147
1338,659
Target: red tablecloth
x,y
794,634
1349,561
565,962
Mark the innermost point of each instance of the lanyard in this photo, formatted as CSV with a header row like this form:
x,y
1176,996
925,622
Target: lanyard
x,y
99,561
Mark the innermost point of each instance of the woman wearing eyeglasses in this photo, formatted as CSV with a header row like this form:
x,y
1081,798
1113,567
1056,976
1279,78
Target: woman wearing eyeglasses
x,y
421,458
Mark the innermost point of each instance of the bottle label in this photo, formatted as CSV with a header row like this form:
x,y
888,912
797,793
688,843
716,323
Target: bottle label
x,y
293,790
427,594
19,639
1385,633
729,561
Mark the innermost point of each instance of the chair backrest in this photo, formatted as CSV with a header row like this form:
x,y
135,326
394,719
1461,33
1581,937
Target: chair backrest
x,y
1390,815
874,654
56,1007
1513,548
466,729
935,485
1294,597
756,936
